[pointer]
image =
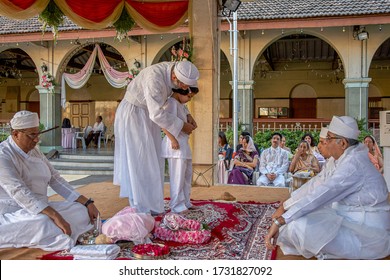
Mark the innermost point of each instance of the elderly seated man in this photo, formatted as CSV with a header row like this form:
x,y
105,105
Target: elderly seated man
x,y
346,215
273,164
27,218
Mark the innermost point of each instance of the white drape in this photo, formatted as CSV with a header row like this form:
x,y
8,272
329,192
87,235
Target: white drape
x,y
115,78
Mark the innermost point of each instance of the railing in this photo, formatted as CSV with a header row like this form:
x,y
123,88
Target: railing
x,y
262,124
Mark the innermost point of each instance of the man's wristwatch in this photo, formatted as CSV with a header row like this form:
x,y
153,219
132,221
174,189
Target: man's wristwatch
x,y
89,201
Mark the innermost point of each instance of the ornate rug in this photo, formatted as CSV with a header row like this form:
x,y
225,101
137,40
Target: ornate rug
x,y
237,233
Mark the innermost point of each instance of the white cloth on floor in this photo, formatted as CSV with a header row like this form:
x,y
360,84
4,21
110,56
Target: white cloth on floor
x,y
95,252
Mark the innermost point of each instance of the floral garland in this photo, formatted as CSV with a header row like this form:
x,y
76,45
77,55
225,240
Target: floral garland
x,y
52,16
123,25
182,52
47,80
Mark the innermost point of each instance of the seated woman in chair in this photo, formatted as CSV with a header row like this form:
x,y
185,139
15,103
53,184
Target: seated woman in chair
x,y
245,163
304,160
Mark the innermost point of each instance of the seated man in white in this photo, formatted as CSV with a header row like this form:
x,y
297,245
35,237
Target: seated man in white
x,y
94,133
273,164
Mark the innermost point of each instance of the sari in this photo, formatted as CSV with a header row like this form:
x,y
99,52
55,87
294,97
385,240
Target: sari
x,y
240,175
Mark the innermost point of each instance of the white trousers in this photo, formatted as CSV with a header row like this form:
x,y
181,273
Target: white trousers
x,y
278,182
180,179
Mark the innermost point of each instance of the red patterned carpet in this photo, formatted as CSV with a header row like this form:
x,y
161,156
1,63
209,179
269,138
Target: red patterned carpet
x,y
237,233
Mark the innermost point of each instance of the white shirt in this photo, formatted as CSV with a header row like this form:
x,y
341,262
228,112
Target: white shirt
x,y
98,127
274,160
150,90
24,179
175,107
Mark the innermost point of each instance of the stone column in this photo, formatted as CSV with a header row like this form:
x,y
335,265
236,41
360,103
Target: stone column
x,y
356,97
205,36
50,116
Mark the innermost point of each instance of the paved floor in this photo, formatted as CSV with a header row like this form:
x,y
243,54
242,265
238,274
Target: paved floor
x,y
81,180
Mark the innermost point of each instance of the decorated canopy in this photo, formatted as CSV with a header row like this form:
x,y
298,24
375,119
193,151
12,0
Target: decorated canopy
x,y
153,15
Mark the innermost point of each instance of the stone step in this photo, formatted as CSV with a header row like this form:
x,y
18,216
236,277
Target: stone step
x,y
59,163
82,157
90,162
88,171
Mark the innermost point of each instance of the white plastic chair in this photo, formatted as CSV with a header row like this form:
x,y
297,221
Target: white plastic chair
x,y
80,135
102,137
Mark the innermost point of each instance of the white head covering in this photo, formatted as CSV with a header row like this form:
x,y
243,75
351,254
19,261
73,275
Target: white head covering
x,y
344,126
24,119
324,132
187,73
251,145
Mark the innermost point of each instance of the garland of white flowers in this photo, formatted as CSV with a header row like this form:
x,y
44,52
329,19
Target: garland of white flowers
x,y
47,80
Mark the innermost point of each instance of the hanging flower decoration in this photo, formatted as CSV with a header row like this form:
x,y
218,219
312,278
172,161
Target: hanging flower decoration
x,y
47,80
183,51
123,25
52,16
133,72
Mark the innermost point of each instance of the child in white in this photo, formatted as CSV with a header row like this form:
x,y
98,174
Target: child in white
x,y
178,153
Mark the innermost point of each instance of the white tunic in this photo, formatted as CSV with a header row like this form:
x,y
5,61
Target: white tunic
x,y
175,107
24,179
138,165
179,161
345,216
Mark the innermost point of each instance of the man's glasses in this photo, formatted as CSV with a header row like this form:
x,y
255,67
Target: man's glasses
x,y
328,137
34,136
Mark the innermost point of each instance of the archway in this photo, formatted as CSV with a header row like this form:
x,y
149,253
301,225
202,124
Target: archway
x,y
290,62
18,77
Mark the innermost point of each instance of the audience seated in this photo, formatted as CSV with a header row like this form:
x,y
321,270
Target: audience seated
x,y
374,153
94,133
67,134
304,161
245,162
273,164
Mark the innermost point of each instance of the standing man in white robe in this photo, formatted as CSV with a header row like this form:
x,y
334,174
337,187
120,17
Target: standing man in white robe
x,y
27,218
138,165
347,216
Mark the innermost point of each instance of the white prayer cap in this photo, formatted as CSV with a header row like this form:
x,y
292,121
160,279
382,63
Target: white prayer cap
x,y
187,73
24,119
324,132
344,126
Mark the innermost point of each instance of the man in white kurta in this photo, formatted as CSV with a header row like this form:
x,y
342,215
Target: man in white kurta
x,y
138,165
273,164
27,218
347,216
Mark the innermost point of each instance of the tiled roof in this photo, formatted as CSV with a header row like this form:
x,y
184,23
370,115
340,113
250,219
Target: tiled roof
x,y
290,9
249,10
11,26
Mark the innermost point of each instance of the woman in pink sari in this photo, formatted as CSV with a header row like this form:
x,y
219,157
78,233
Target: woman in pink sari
x,y
245,162
374,153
